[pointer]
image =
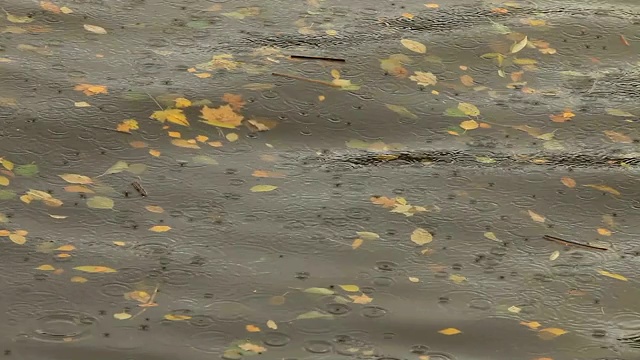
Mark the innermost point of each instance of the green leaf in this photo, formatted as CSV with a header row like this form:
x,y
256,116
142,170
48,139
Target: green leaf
x,y
468,109
137,169
319,291
485,159
314,315
26,170
118,167
7,194
455,112
618,112
357,144
100,202
204,160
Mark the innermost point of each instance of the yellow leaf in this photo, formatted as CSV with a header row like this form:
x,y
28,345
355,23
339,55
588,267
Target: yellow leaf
x,y
350,288
458,279
467,80
524,61
155,153
223,116
95,269
469,124
202,138
185,143
18,19
612,275
514,309
174,116
357,243
468,109
182,102
361,299
568,182
365,235
119,243
618,137
554,255
79,279
232,137
421,236
203,75
122,316
267,174
154,209
4,181
45,268
414,46
516,47
76,179
252,328
604,188
160,228
49,6
66,248
432,6
604,232
531,325
7,164
450,331
414,279
536,217
100,202
175,317
252,347
174,134
78,189
95,29
18,239
424,78
138,295
491,236
554,331
90,89
263,188
272,325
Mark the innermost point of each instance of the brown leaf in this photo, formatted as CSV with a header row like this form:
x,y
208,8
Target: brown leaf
x,y
467,80
604,188
568,182
562,117
223,116
91,89
235,100
261,124
536,217
618,137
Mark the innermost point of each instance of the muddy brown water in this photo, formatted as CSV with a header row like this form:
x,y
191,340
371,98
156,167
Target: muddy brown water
x,y
244,274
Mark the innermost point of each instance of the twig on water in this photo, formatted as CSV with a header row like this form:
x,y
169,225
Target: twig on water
x,y
155,101
308,57
136,185
296,77
572,243
108,129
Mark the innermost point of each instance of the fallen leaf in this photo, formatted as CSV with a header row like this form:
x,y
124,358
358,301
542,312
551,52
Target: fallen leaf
x,y
424,78
319,291
366,235
4,181
421,236
252,347
467,80
119,243
524,61
516,47
18,19
232,137
263,188
468,109
491,236
49,6
81,104
531,325
450,331
138,295
174,134
536,217
78,189
612,275
357,243
261,124
568,182
76,179
66,248
44,50
485,160
402,111
469,125
562,117
350,288
458,279
78,279
95,269
176,317
550,333
267,174
154,209
160,228
66,10
604,232
514,309
414,46
7,164
128,125
414,279
223,116
314,315
617,137
618,112
432,6
45,268
624,40
18,239
174,116
155,153
554,255
361,299
604,188
182,102
138,144
235,100
100,202
95,29
272,325
252,328
122,316
185,143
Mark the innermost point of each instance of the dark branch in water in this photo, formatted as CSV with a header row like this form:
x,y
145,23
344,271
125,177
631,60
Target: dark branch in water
x,y
572,243
317,58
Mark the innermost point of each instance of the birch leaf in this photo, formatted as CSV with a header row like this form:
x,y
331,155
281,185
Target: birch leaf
x,y
421,236
519,45
76,179
100,202
95,269
612,275
414,46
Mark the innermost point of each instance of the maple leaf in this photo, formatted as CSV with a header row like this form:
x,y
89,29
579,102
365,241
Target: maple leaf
x,y
223,116
360,299
175,116
90,89
235,100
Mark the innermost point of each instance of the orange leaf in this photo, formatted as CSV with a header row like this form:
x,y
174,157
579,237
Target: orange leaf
x,y
160,228
90,89
252,347
618,137
562,117
155,153
49,6
531,324
604,232
154,209
223,116
466,80
357,243
450,331
361,299
252,328
95,269
235,100
267,174
184,143
568,182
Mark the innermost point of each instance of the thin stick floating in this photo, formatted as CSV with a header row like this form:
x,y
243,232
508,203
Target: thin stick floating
x,y
572,243
309,57
136,185
296,77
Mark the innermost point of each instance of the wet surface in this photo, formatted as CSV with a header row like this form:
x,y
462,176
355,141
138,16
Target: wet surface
x,y
164,195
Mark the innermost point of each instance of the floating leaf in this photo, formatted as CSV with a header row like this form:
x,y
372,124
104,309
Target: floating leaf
x,y
553,332
414,46
485,160
272,325
402,111
531,325
554,255
261,124
612,275
314,315
514,309
185,143
95,29
604,232
350,288
455,112
176,317
491,236
450,331
357,243
95,269
174,116
91,89
122,316
223,116
568,182
467,80
4,181
78,279
516,47
66,248
421,236
45,267
100,202
26,170
618,112
263,188
18,239
252,347
617,137
78,189
267,174
18,19
319,291
6,164
365,235
524,61
76,179
469,125
204,160
160,228
468,109
604,188
424,78
154,209
361,299
182,102
414,279
458,279
536,217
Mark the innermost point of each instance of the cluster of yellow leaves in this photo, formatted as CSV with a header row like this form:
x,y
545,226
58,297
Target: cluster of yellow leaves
x,y
91,89
18,236
37,195
128,125
398,205
174,116
424,78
